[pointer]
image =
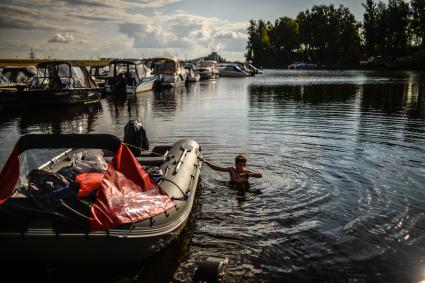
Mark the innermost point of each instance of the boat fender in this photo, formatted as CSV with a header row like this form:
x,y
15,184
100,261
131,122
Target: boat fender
x,y
211,270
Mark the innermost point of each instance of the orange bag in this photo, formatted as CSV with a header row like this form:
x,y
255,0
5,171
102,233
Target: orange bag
x,y
89,182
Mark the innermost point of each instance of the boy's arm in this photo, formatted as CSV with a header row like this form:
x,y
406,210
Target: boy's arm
x,y
215,167
255,174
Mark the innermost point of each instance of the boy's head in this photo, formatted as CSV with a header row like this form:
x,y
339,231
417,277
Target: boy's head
x,y
240,159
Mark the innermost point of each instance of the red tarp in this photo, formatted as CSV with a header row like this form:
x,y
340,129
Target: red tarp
x,y
9,176
126,193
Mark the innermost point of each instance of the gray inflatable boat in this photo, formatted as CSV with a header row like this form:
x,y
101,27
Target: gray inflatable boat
x,y
70,209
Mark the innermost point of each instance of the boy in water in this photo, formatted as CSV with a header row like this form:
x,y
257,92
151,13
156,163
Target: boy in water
x,y
238,174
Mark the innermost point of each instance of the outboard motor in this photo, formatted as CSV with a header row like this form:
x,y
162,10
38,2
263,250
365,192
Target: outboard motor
x,y
135,136
211,270
119,85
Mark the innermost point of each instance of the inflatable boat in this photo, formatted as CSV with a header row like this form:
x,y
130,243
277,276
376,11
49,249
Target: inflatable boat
x,y
91,200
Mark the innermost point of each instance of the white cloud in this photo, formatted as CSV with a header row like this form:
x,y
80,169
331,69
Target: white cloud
x,y
229,34
59,38
122,22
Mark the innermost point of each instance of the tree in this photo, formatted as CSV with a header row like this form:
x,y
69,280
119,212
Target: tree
x,y
332,34
398,18
284,39
371,27
259,46
418,20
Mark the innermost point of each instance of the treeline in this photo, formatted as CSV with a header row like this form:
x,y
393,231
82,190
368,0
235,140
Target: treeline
x,y
331,36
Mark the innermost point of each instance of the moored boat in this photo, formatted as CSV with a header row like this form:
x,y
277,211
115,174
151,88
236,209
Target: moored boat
x,y
232,70
128,77
192,74
56,82
209,70
99,74
169,71
118,208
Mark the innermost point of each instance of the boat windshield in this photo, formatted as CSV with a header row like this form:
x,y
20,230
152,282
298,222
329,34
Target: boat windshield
x,y
99,71
129,70
3,80
79,78
61,76
208,64
165,67
141,70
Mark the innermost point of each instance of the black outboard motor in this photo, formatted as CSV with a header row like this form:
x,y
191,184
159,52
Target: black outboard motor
x,y
135,136
119,85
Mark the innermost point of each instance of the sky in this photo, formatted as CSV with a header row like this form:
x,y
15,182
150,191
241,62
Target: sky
x,y
91,29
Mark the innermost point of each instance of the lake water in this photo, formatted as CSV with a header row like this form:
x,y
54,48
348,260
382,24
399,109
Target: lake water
x,y
342,198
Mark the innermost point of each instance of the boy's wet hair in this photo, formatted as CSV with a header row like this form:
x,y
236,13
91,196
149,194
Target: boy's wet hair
x,y
240,159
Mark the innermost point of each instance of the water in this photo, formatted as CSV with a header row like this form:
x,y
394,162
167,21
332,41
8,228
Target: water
x,y
342,156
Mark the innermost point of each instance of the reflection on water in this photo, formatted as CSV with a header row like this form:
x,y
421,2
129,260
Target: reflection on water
x,y
342,157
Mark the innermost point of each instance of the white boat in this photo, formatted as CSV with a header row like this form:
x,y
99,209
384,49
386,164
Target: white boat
x,y
129,77
169,71
192,74
302,66
233,71
209,70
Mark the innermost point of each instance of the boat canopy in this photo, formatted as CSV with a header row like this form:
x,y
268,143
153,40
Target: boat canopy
x,y
208,64
62,75
164,65
103,183
4,80
130,69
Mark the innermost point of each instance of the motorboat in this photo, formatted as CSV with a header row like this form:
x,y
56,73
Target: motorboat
x,y
302,66
99,74
254,69
73,198
129,77
246,68
56,82
6,84
192,74
233,70
169,71
208,70
19,74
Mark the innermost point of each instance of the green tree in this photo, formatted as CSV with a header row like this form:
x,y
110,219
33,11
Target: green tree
x,y
418,20
371,27
330,34
284,39
259,45
398,19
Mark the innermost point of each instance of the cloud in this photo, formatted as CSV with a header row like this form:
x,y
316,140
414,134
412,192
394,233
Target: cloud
x,y
59,38
229,34
125,22
91,3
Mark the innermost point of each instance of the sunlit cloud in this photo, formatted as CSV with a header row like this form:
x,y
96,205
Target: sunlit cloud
x,y
101,25
59,38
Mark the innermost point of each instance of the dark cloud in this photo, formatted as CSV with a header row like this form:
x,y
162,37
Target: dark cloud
x,y
87,3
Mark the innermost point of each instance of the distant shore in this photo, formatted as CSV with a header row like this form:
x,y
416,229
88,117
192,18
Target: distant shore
x,y
30,62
